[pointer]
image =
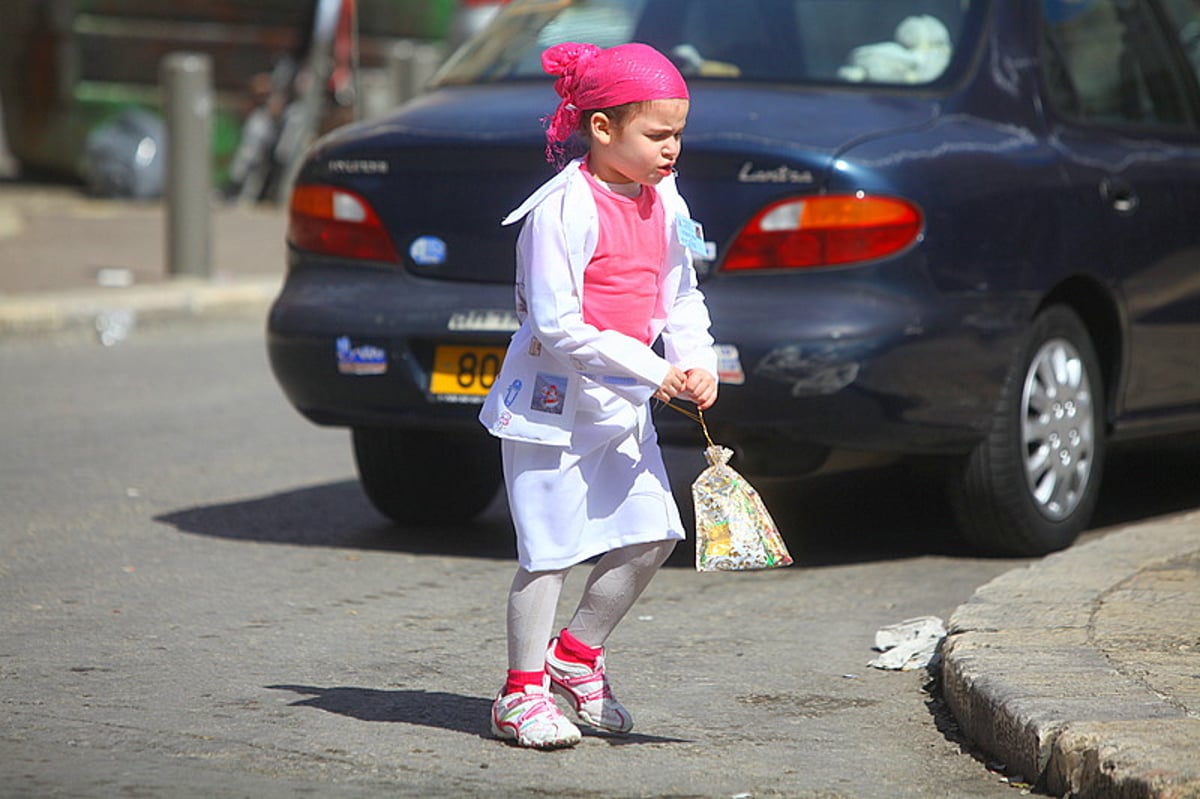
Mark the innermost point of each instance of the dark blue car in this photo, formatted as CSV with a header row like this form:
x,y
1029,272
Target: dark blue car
x,y
967,229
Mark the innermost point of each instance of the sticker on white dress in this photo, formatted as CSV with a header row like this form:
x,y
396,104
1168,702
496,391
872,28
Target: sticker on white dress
x,y
510,393
691,235
549,393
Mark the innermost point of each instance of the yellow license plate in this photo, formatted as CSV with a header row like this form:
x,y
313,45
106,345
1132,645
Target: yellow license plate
x,y
465,370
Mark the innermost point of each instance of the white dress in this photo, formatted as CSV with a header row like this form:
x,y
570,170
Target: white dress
x,y
586,474
607,489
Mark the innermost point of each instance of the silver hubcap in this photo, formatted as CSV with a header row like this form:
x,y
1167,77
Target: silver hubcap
x,y
1057,429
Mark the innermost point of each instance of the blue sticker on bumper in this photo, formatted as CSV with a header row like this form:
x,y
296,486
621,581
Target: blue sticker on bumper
x,y
364,359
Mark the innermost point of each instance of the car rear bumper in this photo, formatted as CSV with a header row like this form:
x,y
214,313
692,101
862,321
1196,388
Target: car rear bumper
x,y
870,365
394,318
835,365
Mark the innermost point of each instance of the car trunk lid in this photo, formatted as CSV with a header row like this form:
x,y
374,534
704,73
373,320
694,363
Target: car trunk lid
x,y
443,171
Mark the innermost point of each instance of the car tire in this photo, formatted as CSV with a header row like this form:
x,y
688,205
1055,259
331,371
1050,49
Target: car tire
x,y
1031,485
424,476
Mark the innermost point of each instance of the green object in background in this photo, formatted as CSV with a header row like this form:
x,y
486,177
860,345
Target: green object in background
x,y
406,19
97,103
69,66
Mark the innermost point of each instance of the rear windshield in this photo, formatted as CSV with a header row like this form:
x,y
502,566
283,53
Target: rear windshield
x,y
894,42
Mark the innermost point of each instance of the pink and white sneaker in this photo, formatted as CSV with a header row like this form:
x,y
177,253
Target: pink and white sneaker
x,y
531,718
589,692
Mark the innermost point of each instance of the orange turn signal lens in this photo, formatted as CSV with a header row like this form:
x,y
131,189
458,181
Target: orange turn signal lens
x,y
334,221
829,230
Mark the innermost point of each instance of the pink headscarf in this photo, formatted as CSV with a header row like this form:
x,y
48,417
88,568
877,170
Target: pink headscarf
x,y
592,78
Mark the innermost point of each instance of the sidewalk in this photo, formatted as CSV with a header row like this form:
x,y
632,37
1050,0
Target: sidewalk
x,y
67,259
1081,672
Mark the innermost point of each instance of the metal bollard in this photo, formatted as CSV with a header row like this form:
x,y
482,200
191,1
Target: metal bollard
x,y
187,105
410,67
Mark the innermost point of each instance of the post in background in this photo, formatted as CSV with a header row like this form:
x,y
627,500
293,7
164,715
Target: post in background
x,y
188,108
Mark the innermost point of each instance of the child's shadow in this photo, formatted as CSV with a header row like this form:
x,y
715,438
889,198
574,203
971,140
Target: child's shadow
x,y
468,714
454,712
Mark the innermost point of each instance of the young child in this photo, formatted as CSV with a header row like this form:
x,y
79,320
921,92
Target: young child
x,y
603,270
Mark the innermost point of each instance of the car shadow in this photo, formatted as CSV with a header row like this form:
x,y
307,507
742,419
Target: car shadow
x,y
438,709
853,518
885,514
1151,480
902,511
891,513
340,515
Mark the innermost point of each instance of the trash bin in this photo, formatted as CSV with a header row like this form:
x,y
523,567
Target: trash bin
x,y
125,156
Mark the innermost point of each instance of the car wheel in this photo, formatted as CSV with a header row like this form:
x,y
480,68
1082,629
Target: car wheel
x,y
1031,485
414,476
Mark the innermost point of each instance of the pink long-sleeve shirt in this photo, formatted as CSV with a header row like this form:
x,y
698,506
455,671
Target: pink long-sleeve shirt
x,y
620,283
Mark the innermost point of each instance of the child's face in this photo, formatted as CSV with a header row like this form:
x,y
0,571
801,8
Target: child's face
x,y
644,149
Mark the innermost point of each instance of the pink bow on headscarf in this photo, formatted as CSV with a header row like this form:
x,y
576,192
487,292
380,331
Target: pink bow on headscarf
x,y
591,78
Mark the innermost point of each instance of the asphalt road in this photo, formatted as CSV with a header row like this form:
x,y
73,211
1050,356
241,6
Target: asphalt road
x,y
197,600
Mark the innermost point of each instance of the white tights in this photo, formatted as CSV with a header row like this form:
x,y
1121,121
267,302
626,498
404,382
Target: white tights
x,y
616,581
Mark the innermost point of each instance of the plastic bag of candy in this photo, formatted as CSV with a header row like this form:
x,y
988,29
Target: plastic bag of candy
x,y
734,530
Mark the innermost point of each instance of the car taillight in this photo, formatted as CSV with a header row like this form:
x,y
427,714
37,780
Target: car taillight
x,y
823,231
333,221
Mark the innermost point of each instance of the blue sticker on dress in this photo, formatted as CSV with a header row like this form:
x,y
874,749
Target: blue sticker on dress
x,y
691,235
549,393
510,393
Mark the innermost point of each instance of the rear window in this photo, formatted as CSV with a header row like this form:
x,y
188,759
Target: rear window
x,y
894,42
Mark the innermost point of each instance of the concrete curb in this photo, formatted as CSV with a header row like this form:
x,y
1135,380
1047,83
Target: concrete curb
x,y
179,298
1028,682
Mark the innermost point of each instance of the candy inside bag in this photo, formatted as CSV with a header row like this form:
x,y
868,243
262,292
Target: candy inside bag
x,y
734,530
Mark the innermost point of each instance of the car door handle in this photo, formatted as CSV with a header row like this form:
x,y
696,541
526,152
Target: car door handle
x,y
1119,194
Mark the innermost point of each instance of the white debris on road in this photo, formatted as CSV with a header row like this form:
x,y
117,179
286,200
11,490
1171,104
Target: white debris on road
x,y
910,644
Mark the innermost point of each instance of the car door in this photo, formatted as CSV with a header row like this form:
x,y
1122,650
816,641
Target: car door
x,y
1121,102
